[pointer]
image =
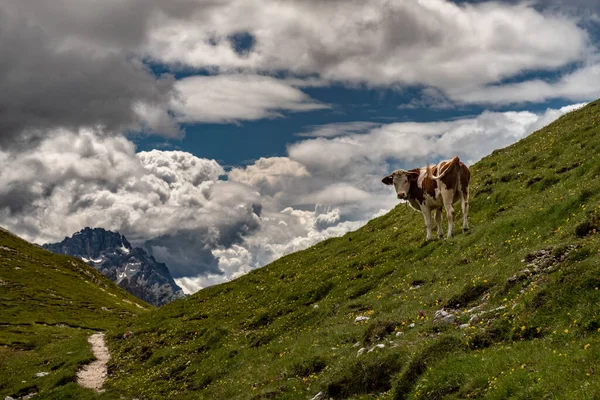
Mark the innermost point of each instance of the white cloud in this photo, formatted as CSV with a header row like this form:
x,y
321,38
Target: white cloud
x,y
417,143
233,262
269,175
336,193
178,168
581,84
430,42
230,98
339,129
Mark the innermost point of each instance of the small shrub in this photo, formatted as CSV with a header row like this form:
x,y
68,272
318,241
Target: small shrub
x,y
145,353
259,339
378,330
585,195
508,177
418,365
548,182
591,326
203,382
534,180
368,374
261,320
483,190
539,299
306,367
580,254
270,394
319,293
359,306
65,379
468,294
568,168
590,226
361,290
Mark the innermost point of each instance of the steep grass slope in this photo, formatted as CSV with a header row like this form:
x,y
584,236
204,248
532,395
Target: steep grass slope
x,y
521,291
49,304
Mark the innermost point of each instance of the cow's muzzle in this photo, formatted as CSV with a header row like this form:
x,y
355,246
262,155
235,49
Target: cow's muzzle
x,y
401,196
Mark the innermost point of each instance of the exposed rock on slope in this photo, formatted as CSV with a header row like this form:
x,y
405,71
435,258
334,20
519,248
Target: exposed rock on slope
x,y
131,268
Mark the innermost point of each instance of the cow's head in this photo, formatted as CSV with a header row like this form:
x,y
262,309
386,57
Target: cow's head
x,y
401,181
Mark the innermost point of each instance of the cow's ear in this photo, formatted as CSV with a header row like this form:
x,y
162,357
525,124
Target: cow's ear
x,y
388,180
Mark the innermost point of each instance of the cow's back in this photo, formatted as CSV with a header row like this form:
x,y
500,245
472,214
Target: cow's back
x,y
457,177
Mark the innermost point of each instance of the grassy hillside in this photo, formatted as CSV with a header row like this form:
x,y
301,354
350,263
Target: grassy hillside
x,y
289,330
49,304
527,277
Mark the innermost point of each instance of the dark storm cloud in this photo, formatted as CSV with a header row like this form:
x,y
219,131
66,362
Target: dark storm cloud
x,y
190,252
17,197
44,87
73,63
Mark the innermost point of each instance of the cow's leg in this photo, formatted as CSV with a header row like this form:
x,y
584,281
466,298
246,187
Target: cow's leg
x,y
438,221
465,208
448,197
427,215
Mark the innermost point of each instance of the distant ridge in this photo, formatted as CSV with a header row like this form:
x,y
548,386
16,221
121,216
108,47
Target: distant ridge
x,y
132,268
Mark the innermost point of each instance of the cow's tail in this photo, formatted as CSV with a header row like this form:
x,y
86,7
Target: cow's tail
x,y
455,160
428,174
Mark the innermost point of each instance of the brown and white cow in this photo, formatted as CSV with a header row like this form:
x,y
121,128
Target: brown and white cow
x,y
431,188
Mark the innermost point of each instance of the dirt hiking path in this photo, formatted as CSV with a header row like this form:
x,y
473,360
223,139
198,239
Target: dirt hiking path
x,y
92,376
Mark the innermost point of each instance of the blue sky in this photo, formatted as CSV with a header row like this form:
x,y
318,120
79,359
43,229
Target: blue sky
x,y
270,137
223,135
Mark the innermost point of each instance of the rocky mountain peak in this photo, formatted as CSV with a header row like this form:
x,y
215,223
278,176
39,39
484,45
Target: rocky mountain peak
x,y
91,242
132,268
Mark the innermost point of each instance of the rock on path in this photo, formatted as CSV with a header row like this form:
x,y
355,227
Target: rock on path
x,y
92,376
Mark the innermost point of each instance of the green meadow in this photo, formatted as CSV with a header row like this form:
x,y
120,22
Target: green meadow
x,y
49,304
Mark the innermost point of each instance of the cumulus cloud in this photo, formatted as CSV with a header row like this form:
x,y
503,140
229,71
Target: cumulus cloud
x,y
172,202
581,84
179,168
52,76
432,43
231,98
417,143
85,66
336,193
270,176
